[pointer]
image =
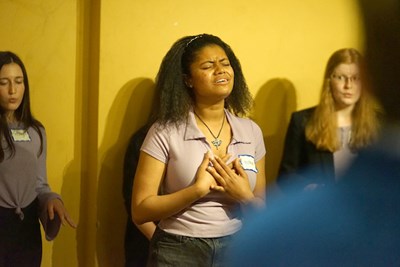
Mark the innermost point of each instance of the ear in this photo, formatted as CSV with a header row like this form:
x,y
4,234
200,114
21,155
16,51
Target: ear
x,y
187,81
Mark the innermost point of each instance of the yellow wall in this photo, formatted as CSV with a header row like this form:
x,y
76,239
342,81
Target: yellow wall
x,y
92,65
43,34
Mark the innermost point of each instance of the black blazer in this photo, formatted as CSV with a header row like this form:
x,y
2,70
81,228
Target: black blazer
x,y
300,155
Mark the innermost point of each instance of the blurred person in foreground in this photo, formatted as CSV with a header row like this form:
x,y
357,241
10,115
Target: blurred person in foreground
x,y
357,222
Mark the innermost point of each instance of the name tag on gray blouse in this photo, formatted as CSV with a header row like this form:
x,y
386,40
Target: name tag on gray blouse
x,y
248,163
20,135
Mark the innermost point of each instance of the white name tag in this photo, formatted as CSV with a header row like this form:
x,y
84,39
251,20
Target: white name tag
x,y
248,163
20,135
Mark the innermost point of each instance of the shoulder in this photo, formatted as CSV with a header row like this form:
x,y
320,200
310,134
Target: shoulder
x,y
166,129
302,116
38,129
304,112
243,123
163,134
245,128
246,121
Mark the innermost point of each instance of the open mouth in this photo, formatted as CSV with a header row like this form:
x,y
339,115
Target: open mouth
x,y
219,81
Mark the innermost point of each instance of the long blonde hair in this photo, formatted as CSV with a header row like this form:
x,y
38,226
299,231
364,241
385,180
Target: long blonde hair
x,y
321,129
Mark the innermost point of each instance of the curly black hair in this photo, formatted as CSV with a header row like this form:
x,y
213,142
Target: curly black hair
x,y
175,99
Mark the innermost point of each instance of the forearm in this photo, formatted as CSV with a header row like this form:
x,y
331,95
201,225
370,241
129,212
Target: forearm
x,y
256,202
259,192
157,207
255,205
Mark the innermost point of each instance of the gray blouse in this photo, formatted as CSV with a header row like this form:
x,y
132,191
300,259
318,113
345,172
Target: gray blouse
x,y
23,177
343,157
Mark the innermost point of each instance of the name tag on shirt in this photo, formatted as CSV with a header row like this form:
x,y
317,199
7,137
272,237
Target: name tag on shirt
x,y
248,163
20,135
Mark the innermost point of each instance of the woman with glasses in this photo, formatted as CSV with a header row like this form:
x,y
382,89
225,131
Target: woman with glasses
x,y
327,137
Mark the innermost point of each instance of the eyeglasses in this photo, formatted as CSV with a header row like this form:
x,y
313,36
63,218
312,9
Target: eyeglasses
x,y
344,78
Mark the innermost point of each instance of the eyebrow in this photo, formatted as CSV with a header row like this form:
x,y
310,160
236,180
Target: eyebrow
x,y
348,76
15,77
213,61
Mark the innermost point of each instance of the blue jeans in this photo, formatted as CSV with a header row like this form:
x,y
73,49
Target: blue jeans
x,y
175,250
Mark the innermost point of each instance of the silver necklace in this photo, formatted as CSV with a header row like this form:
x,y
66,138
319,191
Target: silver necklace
x,y
216,142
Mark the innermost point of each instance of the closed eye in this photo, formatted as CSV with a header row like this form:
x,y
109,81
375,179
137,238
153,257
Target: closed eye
x,y
3,82
19,80
225,62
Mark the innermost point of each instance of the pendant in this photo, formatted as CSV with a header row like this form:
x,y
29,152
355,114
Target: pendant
x,y
217,142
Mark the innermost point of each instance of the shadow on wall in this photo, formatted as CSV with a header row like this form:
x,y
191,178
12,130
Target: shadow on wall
x,y
130,111
274,103
64,254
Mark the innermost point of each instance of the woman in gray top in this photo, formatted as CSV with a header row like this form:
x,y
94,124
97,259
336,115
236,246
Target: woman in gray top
x,y
25,195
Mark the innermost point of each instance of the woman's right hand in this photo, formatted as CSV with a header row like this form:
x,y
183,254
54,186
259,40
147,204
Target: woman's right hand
x,y
204,180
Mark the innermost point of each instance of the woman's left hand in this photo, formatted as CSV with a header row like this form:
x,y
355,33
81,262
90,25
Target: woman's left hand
x,y
56,206
232,178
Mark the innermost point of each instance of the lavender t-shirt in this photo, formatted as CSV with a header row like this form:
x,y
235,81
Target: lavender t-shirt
x,y
182,150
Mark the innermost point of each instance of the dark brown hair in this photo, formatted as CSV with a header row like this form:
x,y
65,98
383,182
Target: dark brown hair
x,y
23,113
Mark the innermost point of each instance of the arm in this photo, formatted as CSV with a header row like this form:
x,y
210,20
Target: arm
x,y
148,205
130,165
235,183
147,229
50,203
131,160
292,148
297,156
55,206
261,183
293,154
234,179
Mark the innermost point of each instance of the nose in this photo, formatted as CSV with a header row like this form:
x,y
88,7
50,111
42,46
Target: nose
x,y
12,89
220,69
348,82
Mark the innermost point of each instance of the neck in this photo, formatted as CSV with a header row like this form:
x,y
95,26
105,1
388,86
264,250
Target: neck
x,y
344,116
216,141
10,117
210,114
